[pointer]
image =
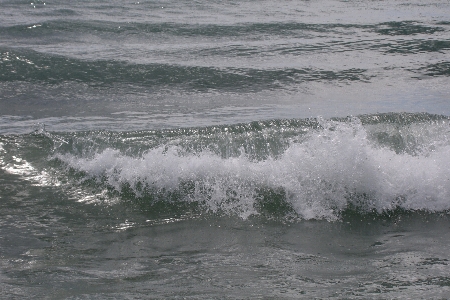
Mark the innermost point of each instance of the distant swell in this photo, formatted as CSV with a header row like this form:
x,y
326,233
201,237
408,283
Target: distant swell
x,y
35,67
172,28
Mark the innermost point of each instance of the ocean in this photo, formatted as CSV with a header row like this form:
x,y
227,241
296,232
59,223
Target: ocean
x,y
248,149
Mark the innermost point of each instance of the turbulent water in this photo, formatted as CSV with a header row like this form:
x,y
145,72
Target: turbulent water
x,y
224,150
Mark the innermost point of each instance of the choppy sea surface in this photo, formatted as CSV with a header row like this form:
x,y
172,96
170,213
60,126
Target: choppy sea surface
x,y
225,149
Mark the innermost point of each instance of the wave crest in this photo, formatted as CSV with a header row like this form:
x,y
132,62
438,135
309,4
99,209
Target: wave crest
x,y
333,167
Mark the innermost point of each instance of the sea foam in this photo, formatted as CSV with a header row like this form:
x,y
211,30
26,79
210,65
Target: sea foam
x,y
325,172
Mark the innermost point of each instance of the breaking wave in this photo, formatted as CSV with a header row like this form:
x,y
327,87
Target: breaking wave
x,y
308,169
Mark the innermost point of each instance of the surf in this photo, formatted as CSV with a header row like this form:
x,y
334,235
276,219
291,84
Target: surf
x,y
299,168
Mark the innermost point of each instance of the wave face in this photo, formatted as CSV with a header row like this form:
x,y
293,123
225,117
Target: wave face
x,y
293,169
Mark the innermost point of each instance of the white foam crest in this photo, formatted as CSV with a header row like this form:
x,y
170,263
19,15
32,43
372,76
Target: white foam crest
x,y
342,165
320,176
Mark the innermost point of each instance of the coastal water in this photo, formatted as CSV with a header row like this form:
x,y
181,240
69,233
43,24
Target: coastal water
x,y
224,150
